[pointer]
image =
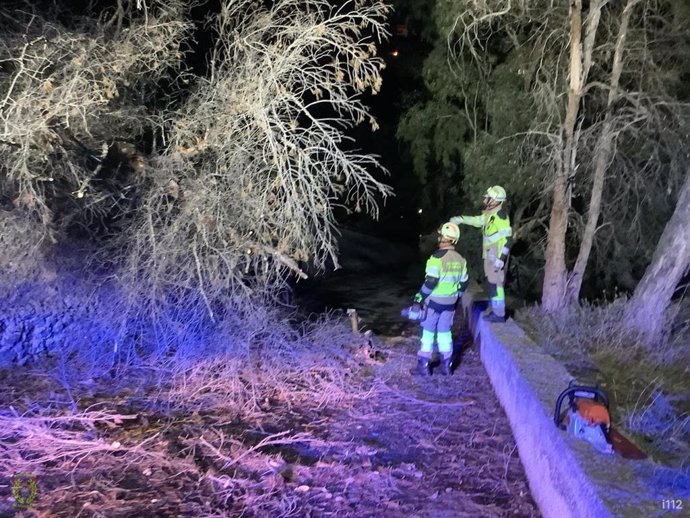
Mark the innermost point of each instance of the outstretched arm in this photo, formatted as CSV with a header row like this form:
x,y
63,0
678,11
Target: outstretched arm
x,y
473,221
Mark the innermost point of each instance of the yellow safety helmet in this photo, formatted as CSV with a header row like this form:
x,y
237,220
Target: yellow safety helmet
x,y
496,193
450,231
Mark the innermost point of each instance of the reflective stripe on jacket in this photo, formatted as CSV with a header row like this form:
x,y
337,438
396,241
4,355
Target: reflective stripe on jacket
x,y
496,230
450,268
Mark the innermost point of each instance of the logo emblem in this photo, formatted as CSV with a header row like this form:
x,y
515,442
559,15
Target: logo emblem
x,y
24,489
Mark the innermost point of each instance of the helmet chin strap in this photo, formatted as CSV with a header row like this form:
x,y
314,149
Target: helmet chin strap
x,y
491,204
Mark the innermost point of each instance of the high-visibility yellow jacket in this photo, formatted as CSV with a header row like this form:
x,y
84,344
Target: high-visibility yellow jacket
x,y
496,231
446,278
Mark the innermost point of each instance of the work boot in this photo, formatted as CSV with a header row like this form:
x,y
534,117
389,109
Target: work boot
x,y
445,367
493,317
422,368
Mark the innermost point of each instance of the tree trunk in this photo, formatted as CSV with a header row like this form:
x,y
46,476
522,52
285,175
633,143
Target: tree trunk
x,y
602,159
647,308
554,290
554,269
555,273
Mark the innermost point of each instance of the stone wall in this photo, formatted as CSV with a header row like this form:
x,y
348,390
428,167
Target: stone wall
x,y
568,477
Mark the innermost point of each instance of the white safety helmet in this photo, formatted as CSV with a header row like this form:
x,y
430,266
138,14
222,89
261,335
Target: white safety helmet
x,y
450,232
496,193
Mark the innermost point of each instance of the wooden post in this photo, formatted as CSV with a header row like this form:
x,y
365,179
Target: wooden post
x,y
354,320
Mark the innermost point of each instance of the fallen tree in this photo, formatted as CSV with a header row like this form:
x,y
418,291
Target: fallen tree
x,y
198,189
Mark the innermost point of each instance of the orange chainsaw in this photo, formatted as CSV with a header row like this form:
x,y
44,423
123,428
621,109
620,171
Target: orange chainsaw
x,y
588,418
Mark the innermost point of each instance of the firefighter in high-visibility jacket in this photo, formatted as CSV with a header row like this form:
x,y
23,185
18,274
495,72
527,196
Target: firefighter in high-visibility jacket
x,y
445,282
497,240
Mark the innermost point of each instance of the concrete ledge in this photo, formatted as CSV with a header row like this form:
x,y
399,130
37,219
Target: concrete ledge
x,y
568,478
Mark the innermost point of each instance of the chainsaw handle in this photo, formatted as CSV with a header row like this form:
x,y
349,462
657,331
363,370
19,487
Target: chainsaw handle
x,y
570,391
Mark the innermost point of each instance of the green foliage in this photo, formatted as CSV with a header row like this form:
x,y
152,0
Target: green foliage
x,y
435,128
498,71
490,161
434,131
496,156
467,133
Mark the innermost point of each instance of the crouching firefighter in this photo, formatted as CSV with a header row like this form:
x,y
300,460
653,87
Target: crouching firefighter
x,y
446,280
497,240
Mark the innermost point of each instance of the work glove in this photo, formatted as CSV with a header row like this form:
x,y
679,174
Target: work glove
x,y
458,220
499,264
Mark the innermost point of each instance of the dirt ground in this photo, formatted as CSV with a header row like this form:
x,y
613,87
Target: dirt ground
x,y
445,441
335,426
404,447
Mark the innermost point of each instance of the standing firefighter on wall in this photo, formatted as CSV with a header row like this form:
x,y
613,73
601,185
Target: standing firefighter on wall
x,y
446,280
497,240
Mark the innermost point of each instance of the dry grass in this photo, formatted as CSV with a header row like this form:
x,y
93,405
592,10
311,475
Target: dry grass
x,y
648,387
592,328
272,420
180,438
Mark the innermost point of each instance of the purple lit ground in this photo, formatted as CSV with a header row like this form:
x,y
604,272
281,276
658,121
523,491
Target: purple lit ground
x,y
344,435
445,441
